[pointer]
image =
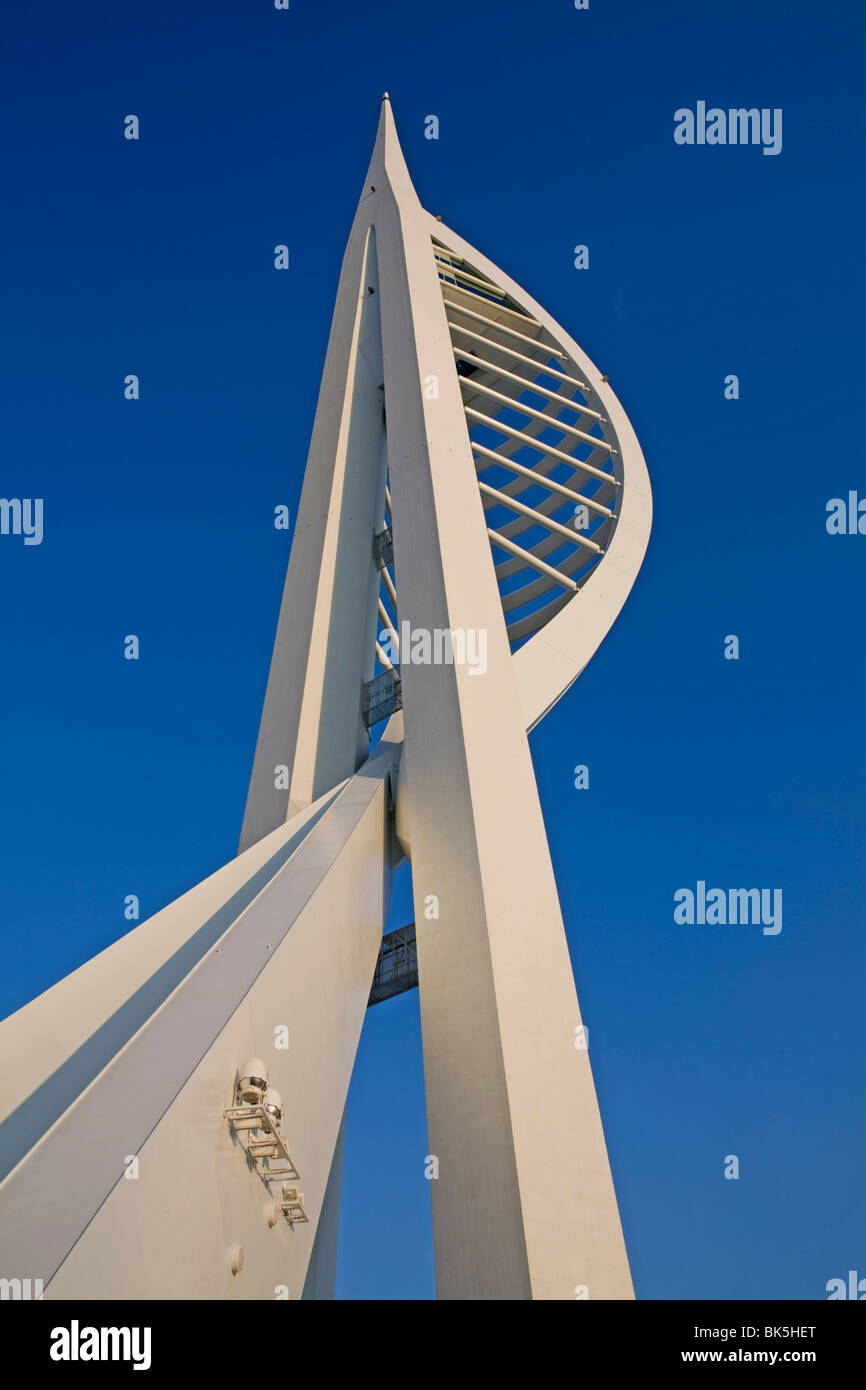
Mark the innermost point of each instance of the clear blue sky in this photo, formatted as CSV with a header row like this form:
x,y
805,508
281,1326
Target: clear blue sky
x,y
156,257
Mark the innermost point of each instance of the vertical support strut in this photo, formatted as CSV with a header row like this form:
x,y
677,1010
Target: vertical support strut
x,y
524,1205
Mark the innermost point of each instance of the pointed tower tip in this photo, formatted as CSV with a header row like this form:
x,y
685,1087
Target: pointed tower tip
x,y
387,159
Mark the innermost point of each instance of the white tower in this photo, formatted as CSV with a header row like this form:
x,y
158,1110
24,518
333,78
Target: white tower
x,y
474,512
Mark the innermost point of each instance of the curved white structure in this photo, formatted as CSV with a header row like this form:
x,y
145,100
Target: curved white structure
x,y
555,380
474,512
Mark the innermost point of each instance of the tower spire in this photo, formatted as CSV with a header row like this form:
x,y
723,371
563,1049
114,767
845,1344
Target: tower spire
x,y
387,162
459,431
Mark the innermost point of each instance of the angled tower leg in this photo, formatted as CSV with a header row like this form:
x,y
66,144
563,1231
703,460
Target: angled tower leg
x,y
138,1187
320,1283
524,1205
312,731
312,722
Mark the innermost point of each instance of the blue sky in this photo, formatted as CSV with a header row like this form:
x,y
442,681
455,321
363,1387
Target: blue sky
x,y
156,257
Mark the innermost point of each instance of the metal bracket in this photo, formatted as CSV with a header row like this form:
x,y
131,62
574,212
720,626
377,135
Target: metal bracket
x,y
292,1206
397,966
383,548
248,1121
381,696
